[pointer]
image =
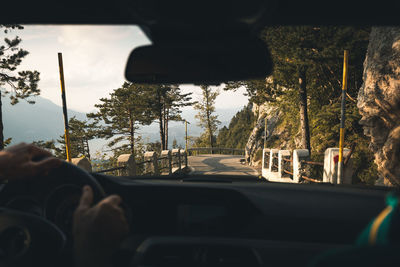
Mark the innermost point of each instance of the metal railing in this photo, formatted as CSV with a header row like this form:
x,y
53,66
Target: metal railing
x,y
168,163
215,150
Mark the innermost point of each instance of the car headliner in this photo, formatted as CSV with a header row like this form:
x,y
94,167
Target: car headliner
x,y
209,14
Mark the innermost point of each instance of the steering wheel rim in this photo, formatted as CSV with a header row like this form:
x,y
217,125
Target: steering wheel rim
x,y
65,174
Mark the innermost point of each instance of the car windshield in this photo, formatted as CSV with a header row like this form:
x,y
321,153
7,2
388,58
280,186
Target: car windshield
x,y
286,127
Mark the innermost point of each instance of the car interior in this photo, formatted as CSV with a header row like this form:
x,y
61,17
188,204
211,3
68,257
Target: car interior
x,y
176,220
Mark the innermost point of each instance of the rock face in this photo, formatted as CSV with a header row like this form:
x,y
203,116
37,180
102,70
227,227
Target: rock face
x,y
255,142
379,100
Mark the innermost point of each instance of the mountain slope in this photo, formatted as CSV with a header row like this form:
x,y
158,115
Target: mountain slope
x,y
41,121
44,121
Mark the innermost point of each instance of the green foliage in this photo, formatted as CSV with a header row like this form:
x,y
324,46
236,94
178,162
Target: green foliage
x,y
205,116
16,85
101,161
80,133
203,140
319,50
238,131
257,90
7,141
165,103
47,145
154,146
121,115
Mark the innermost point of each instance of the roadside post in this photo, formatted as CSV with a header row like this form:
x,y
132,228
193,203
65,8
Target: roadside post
x,y
186,137
64,103
265,131
342,118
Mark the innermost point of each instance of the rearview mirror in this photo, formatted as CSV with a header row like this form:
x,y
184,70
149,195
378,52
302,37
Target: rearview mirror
x,y
200,62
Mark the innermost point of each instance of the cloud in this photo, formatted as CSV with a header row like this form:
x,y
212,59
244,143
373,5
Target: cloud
x,y
94,60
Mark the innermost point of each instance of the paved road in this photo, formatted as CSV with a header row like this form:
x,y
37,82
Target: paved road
x,y
219,164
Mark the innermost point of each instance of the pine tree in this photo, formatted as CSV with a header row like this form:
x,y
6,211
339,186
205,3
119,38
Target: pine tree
x,y
308,63
48,145
205,116
121,114
320,51
165,102
80,133
17,85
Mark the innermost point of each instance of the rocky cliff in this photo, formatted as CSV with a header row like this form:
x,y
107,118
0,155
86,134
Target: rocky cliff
x,y
255,142
379,100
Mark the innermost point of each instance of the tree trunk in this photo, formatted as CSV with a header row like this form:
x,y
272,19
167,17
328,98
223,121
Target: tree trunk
x,y
83,151
131,134
87,147
162,137
305,130
210,133
163,116
166,128
1,125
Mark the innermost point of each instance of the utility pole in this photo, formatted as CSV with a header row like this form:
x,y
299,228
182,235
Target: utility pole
x,y
186,136
64,103
265,132
342,118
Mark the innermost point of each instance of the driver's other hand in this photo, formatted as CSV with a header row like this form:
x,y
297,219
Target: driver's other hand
x,y
98,230
24,161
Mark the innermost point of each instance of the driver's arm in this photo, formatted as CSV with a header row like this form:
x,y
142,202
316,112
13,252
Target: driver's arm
x,y
25,161
98,230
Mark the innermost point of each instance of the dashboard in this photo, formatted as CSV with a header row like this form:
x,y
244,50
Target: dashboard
x,y
56,205
171,219
267,211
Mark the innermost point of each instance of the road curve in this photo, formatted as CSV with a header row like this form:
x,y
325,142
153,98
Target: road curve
x,y
216,164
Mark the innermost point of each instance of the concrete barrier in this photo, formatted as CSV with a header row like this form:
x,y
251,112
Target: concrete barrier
x,y
331,158
298,156
128,161
151,167
265,164
176,160
166,162
83,163
183,155
273,172
273,164
284,165
276,165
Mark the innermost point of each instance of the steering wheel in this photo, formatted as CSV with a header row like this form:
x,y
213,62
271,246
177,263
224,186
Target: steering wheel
x,y
27,239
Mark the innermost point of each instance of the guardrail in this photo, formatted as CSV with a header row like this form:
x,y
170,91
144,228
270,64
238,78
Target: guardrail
x,y
295,167
169,162
215,150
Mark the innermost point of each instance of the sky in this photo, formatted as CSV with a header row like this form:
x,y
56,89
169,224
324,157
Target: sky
x,y
94,60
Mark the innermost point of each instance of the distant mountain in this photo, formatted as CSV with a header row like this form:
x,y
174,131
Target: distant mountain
x,y
44,121
41,121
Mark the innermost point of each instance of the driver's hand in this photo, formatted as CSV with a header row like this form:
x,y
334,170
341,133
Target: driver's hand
x,y
24,161
98,230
